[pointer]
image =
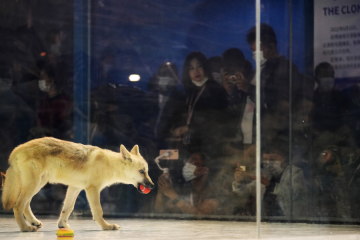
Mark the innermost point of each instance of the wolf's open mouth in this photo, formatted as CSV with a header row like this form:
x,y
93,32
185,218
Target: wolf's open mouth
x,y
139,189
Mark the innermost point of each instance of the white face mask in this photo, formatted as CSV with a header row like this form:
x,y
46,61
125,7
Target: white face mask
x,y
202,82
273,168
217,76
262,59
55,49
188,172
166,83
327,83
43,87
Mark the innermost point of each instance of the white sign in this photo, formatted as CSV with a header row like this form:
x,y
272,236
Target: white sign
x,y
337,35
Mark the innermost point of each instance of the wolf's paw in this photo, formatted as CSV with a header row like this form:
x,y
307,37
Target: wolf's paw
x,y
29,229
37,223
111,227
63,224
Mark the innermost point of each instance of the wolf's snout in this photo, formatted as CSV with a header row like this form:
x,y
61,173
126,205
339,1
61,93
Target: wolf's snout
x,y
149,184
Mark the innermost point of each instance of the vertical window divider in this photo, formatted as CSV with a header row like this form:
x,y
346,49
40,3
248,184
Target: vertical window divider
x,y
258,119
290,110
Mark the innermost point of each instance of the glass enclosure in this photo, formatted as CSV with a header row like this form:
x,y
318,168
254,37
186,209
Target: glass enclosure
x,y
178,79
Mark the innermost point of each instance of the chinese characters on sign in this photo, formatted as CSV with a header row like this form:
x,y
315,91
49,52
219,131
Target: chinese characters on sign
x,y
337,36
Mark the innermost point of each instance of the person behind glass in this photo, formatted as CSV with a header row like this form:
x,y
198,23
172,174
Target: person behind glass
x,y
331,185
329,114
275,182
195,199
216,65
54,107
205,106
274,84
329,104
54,47
240,123
352,120
170,100
232,58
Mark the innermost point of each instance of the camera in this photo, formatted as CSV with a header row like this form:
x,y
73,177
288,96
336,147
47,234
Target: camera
x,y
232,78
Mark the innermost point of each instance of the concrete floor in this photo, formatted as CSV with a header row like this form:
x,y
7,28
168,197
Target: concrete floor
x,y
149,229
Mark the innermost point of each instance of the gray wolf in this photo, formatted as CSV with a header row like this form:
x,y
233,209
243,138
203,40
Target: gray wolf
x,y
39,161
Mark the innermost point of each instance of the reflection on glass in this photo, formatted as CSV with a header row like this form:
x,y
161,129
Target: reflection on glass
x,y
181,76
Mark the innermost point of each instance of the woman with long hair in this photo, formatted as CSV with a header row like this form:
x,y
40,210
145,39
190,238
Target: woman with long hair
x,y
205,107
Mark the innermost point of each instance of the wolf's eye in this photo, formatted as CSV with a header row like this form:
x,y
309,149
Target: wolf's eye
x,y
142,172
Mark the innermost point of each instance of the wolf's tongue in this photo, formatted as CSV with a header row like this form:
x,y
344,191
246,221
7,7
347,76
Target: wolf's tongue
x,y
144,189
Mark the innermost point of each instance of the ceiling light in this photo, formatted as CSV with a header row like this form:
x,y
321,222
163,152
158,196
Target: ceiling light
x,y
134,77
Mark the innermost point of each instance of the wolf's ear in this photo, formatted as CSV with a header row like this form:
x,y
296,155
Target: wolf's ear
x,y
135,150
125,153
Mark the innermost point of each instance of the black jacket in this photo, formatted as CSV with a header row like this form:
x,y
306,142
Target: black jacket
x,y
275,97
208,119
167,117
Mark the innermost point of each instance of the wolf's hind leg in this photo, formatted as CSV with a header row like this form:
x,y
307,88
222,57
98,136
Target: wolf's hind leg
x,y
30,184
68,207
93,195
28,213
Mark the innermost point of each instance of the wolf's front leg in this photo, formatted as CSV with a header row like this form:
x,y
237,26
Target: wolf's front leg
x,y
68,207
93,195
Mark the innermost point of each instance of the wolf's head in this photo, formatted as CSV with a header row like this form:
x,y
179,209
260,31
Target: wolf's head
x,y
137,168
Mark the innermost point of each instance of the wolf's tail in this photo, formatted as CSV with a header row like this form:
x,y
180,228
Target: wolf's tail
x,y
12,187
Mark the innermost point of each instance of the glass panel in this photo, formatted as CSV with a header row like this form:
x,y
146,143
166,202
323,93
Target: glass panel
x,y
335,111
159,42
279,83
79,72
176,82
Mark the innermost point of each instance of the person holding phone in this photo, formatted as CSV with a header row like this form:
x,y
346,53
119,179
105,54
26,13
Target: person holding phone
x,y
197,198
275,181
240,125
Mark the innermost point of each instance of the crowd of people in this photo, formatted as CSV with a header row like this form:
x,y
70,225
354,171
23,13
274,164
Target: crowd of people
x,y
310,158
215,121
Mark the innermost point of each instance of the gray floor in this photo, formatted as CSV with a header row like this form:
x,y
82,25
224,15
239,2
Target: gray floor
x,y
148,229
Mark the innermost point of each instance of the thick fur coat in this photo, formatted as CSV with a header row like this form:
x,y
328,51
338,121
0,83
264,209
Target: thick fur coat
x,y
44,160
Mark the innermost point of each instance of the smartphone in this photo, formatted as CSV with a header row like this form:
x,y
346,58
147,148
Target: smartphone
x,y
232,79
243,168
174,154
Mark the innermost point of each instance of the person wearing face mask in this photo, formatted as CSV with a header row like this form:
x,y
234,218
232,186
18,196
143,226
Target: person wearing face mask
x,y
329,104
195,199
53,40
199,127
330,111
54,107
169,101
240,130
216,64
275,182
16,117
275,78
